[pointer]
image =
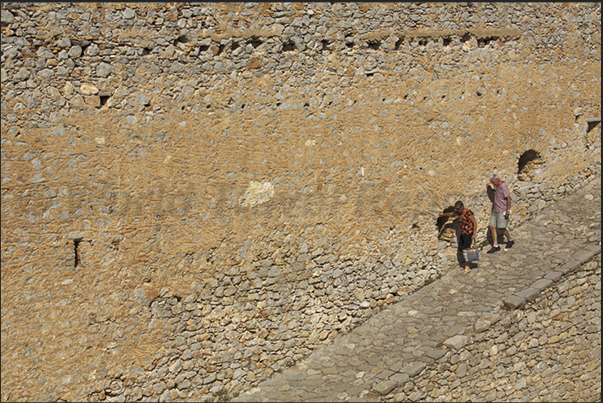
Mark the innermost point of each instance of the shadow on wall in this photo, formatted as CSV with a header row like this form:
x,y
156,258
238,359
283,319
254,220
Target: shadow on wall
x,y
449,228
446,226
527,169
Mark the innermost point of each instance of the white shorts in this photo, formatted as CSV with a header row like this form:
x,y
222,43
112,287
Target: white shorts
x,y
499,220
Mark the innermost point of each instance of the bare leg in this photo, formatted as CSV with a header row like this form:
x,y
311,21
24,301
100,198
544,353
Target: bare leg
x,y
494,233
506,233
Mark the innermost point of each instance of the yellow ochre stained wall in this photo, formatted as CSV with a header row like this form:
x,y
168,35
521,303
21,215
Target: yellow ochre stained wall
x,y
183,142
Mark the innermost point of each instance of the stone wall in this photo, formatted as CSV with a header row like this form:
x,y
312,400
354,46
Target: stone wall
x,y
549,350
195,195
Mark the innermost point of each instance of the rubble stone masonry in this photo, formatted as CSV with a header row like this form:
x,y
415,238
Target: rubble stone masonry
x,y
547,351
197,195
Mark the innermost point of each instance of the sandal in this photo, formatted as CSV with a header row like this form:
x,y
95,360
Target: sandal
x,y
466,271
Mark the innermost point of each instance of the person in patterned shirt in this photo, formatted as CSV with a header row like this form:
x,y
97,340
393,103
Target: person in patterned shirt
x,y
468,226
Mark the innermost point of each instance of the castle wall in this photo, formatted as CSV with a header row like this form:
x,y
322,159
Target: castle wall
x,y
238,183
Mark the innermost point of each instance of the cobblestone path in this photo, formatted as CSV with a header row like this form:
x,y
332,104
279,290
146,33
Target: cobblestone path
x,y
399,342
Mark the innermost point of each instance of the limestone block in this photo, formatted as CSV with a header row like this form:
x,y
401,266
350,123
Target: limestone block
x,y
93,101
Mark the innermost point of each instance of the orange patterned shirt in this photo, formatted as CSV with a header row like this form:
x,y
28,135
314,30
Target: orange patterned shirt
x,y
466,223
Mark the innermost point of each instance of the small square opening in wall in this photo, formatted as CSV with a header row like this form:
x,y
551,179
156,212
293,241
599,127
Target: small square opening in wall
x,y
374,45
255,41
288,46
592,123
104,99
398,43
180,39
76,254
483,42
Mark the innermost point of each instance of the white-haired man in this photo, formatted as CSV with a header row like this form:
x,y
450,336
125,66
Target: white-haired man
x,y
501,209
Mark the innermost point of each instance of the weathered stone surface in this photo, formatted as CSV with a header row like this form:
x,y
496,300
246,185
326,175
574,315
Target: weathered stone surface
x,y
456,342
514,301
414,368
383,388
541,284
528,293
187,140
545,336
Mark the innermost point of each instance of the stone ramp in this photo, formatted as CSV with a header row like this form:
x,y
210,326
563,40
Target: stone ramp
x,y
405,338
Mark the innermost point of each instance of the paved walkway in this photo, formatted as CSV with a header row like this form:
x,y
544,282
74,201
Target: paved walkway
x,y
399,341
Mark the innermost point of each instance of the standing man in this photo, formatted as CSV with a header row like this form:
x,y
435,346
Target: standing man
x,y
468,226
501,209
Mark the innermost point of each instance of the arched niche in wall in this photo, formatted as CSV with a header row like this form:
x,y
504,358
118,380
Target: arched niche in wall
x,y
528,164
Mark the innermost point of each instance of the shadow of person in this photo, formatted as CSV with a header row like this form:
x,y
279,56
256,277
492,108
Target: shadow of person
x,y
491,191
500,236
442,221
